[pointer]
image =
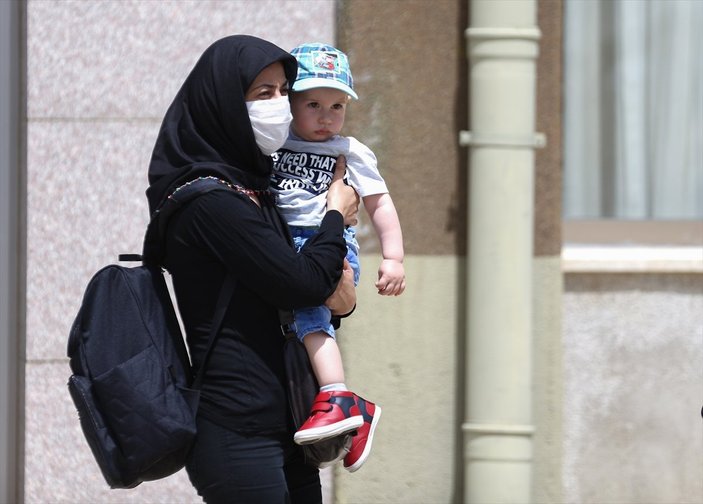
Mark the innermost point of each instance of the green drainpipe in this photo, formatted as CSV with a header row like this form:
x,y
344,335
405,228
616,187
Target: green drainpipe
x,y
503,45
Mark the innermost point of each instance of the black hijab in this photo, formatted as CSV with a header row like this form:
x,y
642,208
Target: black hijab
x,y
206,130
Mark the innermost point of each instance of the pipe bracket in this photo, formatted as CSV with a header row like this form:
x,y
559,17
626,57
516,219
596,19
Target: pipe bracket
x,y
502,32
534,141
500,429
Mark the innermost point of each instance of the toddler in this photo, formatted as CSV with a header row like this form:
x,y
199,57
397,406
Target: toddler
x,y
303,169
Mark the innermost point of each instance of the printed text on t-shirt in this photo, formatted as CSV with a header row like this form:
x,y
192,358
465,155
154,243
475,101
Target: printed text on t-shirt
x,y
302,170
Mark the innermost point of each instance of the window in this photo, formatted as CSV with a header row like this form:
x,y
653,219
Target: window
x,y
633,110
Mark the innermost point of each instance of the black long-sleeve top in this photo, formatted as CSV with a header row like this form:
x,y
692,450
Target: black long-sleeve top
x,y
244,385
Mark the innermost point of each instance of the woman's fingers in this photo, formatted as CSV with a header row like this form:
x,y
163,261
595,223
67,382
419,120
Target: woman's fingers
x,y
340,168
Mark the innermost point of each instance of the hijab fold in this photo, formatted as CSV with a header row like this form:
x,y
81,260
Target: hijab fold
x,y
206,129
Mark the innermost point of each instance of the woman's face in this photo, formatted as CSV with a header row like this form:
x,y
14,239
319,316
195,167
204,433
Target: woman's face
x,y
270,83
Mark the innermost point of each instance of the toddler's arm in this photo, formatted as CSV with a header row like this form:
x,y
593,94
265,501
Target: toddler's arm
x,y
391,273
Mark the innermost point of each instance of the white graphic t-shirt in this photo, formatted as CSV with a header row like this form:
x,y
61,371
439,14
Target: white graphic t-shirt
x,y
302,172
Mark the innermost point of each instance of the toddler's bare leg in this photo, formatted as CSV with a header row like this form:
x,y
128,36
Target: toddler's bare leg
x,y
325,357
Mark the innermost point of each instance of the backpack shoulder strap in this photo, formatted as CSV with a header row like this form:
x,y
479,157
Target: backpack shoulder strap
x,y
155,236
223,300
153,251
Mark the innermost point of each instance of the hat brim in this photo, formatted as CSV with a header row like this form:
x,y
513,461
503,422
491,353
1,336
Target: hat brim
x,y
318,82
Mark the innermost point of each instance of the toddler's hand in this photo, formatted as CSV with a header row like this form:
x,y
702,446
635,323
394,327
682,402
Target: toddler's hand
x,y
391,278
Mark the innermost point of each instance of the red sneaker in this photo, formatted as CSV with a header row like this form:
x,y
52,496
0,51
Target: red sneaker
x,y
333,413
362,440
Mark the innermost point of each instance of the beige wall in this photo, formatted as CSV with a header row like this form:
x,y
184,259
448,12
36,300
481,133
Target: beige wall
x,y
403,353
406,352
547,357
413,104
410,73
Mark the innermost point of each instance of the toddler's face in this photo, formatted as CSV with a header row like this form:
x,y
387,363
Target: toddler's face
x,y
318,114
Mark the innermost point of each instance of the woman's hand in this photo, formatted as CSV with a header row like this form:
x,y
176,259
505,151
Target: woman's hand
x,y
341,197
345,200
343,299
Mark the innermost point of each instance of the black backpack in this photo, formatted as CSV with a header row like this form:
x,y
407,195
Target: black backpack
x,y
131,377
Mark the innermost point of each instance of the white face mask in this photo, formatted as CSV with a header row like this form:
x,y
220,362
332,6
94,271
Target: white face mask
x,y
270,120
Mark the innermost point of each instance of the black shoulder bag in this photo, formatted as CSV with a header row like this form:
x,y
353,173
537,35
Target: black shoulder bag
x,y
302,389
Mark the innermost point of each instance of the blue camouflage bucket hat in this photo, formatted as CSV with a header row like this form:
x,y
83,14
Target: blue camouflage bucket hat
x,y
321,65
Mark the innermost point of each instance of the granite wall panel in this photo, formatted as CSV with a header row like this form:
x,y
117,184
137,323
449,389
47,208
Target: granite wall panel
x,y
100,75
633,348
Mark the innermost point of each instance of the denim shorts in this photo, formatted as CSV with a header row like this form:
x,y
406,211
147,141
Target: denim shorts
x,y
319,318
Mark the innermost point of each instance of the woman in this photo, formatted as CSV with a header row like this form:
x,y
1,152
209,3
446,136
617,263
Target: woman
x,y
229,116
